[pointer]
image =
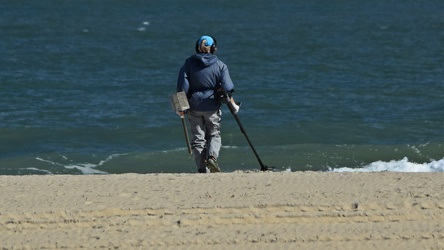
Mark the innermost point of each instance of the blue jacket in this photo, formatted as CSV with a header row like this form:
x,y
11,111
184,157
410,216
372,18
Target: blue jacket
x,y
199,77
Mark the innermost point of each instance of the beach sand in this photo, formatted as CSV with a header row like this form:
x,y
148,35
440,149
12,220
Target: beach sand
x,y
240,210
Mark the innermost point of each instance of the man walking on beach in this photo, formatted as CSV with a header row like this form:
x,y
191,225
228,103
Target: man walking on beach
x,y
200,77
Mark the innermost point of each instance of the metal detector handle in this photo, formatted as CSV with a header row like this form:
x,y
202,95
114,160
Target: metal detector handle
x,y
185,131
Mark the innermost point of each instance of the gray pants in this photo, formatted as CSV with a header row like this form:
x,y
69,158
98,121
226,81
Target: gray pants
x,y
205,130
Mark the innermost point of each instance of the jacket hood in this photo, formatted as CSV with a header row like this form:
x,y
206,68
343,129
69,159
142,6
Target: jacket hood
x,y
205,59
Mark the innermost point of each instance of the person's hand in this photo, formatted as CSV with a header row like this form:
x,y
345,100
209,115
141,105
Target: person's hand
x,y
180,113
235,105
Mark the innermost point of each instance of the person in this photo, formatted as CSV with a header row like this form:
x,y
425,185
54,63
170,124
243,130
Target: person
x,y
200,77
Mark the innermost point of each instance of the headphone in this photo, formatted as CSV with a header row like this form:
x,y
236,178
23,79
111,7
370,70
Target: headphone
x,y
213,48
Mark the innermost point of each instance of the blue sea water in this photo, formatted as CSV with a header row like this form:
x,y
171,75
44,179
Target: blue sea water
x,y
326,85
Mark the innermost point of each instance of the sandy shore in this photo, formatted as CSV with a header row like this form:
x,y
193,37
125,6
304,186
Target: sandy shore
x,y
299,210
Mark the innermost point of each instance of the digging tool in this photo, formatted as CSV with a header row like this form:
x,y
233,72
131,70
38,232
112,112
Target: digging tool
x,y
179,103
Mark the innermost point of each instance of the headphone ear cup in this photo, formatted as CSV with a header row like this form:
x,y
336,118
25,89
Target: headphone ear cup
x,y
213,49
197,46
214,46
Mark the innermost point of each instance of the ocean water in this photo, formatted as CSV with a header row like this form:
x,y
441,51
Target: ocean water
x,y
326,85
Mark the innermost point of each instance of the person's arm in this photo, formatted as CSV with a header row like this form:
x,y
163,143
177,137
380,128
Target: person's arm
x,y
228,86
182,85
225,79
182,80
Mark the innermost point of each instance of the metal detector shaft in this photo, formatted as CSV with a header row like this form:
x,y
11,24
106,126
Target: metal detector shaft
x,y
230,106
185,131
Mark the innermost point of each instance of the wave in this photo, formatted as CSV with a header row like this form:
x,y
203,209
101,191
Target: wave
x,y
403,165
287,158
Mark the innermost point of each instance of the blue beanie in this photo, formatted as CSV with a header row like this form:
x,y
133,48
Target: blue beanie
x,y
209,40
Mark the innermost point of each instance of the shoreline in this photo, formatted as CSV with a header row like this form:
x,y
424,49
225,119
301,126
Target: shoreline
x,y
264,210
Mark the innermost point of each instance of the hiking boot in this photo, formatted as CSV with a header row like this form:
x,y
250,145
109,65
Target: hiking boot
x,y
212,165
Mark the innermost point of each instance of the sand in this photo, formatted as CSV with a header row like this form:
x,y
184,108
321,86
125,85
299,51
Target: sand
x,y
298,210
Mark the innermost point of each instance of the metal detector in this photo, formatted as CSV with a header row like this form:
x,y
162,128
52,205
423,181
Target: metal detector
x,y
224,97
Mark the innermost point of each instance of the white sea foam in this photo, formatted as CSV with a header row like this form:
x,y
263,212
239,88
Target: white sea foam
x,y
403,165
39,170
109,158
85,168
172,150
146,23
